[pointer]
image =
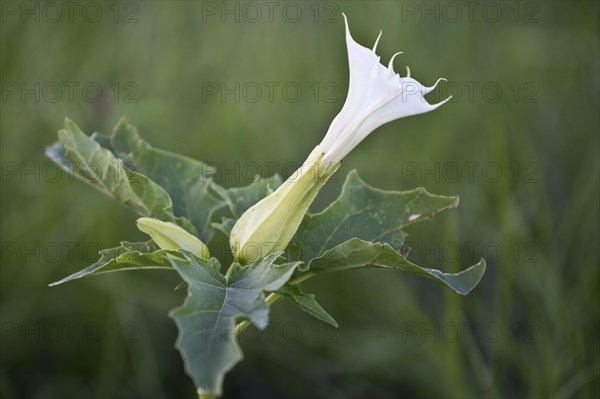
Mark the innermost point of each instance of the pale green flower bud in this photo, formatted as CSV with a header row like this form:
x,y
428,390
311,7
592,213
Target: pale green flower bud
x,y
169,236
270,224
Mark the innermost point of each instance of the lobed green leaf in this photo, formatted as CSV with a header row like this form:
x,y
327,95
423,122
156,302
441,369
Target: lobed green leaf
x,y
367,213
207,320
357,253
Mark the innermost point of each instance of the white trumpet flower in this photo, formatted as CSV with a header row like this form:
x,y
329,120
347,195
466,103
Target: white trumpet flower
x,y
376,95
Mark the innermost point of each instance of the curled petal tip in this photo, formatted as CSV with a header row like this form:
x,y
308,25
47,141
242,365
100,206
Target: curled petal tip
x,y
346,23
436,105
431,88
391,64
377,41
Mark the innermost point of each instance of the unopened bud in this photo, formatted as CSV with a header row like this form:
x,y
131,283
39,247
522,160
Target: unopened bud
x,y
169,236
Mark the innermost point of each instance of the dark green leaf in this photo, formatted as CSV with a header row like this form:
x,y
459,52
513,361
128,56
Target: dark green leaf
x,y
185,179
240,199
307,302
364,212
364,225
356,253
207,319
225,226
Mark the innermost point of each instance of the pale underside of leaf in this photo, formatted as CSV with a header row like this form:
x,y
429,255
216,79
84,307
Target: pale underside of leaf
x,y
127,256
89,161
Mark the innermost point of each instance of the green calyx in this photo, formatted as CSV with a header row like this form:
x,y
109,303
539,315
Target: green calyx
x,y
270,224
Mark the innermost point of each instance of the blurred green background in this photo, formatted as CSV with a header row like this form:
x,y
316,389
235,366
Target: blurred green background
x,y
518,143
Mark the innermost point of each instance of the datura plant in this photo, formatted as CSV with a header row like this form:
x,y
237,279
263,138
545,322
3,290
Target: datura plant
x,y
273,243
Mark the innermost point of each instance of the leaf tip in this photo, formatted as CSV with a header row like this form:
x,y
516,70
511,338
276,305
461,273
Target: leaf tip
x,y
70,125
59,282
123,123
476,271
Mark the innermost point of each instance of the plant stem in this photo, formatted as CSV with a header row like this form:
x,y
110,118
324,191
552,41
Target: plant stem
x,y
271,298
301,278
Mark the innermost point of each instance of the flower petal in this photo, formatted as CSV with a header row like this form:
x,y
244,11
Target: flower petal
x,y
409,102
362,62
376,95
